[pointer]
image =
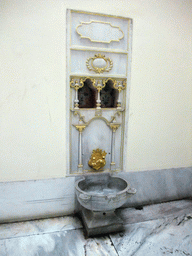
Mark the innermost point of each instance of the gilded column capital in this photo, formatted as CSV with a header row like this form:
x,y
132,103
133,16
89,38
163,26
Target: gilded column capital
x,y
114,126
80,127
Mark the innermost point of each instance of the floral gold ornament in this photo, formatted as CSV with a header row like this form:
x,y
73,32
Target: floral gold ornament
x,y
99,63
97,160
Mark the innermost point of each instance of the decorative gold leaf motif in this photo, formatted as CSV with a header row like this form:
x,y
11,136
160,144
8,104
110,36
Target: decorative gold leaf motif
x,y
90,63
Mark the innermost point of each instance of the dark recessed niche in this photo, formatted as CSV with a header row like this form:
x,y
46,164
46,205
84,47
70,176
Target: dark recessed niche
x,y
109,96
87,95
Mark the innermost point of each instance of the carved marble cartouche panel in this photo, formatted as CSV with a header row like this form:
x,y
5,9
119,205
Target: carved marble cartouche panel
x,y
92,31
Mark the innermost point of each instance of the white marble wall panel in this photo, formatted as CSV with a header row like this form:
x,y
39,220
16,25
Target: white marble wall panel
x,y
96,135
79,58
155,211
159,185
77,18
36,199
111,112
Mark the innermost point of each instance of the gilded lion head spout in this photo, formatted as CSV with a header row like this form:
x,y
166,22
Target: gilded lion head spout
x,y
97,160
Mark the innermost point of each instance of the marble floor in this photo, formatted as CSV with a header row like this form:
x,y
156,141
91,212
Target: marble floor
x,y
162,229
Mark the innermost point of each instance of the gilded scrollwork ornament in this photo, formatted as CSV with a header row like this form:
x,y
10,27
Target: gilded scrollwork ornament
x,y
120,86
99,63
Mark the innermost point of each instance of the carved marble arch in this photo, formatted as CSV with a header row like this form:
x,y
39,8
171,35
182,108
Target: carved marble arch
x,y
87,95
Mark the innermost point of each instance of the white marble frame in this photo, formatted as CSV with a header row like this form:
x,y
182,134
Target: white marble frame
x,y
128,53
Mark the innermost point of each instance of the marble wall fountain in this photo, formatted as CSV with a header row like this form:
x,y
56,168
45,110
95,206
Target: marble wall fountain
x,y
98,57
99,196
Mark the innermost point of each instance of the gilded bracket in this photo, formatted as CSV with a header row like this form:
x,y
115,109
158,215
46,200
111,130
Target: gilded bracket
x,y
81,118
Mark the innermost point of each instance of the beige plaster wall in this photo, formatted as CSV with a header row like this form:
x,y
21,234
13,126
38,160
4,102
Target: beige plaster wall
x,y
33,87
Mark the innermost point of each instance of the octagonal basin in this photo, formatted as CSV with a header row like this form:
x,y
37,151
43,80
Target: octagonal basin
x,y
103,193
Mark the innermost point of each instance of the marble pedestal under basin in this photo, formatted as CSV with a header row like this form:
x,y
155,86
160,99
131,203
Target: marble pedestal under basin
x,y
99,196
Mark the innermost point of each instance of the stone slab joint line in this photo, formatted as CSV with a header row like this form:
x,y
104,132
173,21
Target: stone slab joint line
x,y
38,234
113,245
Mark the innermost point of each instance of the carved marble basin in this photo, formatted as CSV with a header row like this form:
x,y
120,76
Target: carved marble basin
x,y
103,193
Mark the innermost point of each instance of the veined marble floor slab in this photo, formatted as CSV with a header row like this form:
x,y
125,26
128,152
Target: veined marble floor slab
x,y
163,229
169,236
